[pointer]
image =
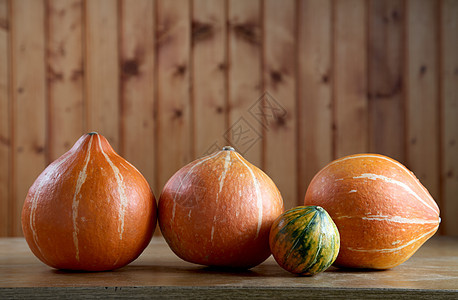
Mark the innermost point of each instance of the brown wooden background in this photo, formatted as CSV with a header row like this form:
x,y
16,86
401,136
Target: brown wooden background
x,y
165,81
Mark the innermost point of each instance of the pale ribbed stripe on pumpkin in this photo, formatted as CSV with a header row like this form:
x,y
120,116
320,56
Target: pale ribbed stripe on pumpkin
x,y
121,189
34,204
398,183
427,234
204,159
75,203
227,165
387,159
258,195
395,219
213,229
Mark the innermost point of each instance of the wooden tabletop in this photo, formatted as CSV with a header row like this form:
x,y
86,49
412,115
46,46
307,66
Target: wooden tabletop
x,y
158,273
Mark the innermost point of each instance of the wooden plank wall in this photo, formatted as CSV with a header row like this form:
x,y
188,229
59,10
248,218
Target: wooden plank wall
x,y
291,84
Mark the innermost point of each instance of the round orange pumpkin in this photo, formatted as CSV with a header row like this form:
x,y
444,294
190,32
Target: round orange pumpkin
x,y
218,210
89,210
382,211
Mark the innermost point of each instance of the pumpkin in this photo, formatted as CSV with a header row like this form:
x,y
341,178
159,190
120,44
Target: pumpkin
x,y
383,212
218,210
89,210
304,240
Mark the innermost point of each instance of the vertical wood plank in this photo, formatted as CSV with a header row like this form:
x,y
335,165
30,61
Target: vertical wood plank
x,y
102,69
385,86
64,75
244,87
209,72
280,108
175,144
29,99
314,90
350,83
422,93
449,104
137,61
5,141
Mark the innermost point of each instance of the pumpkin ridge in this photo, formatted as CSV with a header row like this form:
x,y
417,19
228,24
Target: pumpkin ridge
x,y
75,202
326,224
303,233
121,190
258,194
227,165
197,163
397,248
378,156
396,182
394,219
319,249
34,201
290,221
333,241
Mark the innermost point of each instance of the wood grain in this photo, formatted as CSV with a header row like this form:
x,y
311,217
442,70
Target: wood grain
x,y
175,142
244,91
102,70
430,273
449,119
315,139
209,61
5,121
64,75
29,100
422,94
385,78
169,81
350,82
279,105
138,86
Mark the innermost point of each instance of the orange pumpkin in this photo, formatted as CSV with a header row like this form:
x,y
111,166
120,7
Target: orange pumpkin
x,y
218,210
382,211
89,210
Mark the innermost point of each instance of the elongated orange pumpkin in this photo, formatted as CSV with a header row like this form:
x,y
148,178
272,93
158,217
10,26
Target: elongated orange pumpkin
x,y
218,210
383,212
89,210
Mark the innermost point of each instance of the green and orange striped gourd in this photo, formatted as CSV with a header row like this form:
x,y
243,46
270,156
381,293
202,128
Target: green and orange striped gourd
x,y
304,240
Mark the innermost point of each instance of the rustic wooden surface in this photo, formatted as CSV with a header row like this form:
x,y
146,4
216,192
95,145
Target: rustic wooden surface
x,y
138,85
64,64
422,102
169,81
280,67
350,85
174,127
432,271
28,93
5,111
449,105
314,87
102,69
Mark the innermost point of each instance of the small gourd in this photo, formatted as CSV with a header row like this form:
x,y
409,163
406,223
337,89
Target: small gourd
x,y
304,240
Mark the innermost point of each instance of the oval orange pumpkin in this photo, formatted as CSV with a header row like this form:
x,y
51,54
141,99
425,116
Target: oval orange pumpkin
x,y
382,211
89,210
218,210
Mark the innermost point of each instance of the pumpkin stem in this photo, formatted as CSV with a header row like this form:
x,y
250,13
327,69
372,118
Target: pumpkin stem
x,y
92,133
319,208
228,148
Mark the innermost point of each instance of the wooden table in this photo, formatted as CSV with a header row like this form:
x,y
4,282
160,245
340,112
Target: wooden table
x,y
431,273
